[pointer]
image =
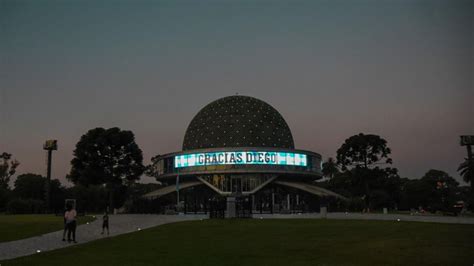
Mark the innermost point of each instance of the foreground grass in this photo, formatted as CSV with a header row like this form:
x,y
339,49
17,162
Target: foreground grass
x,y
14,227
275,242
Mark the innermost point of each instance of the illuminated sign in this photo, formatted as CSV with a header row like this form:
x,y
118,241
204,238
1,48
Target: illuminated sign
x,y
240,157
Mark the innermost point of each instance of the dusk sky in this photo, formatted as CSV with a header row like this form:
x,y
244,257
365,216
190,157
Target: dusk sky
x,y
399,69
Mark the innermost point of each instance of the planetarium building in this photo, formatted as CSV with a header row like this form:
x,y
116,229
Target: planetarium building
x,y
238,150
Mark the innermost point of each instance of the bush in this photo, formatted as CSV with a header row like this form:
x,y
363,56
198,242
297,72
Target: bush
x,y
380,199
146,205
355,204
25,206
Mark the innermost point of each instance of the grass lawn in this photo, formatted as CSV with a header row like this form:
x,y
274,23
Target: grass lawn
x,y
13,227
275,242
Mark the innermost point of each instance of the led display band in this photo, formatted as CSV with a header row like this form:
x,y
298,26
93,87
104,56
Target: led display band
x,y
240,157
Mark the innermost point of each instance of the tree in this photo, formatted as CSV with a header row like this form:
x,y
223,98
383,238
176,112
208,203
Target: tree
x,y
330,168
363,150
92,198
7,169
30,186
392,184
152,169
107,157
465,171
415,194
442,190
435,191
361,153
5,195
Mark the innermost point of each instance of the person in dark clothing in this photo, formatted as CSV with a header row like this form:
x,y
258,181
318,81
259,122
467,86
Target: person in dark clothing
x,y
105,223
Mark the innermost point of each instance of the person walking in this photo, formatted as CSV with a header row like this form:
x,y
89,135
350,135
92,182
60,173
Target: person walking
x,y
105,223
70,217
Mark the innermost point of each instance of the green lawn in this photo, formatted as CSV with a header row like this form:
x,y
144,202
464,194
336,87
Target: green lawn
x,y
275,242
13,227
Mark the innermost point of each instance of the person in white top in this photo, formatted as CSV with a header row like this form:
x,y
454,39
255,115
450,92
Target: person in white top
x,y
70,217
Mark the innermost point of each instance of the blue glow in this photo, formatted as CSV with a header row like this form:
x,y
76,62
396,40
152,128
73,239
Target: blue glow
x,y
240,157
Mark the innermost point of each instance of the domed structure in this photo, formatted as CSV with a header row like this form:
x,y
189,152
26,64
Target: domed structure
x,y
238,158
238,121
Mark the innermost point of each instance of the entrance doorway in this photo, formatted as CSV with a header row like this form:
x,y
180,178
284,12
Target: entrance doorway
x,y
236,182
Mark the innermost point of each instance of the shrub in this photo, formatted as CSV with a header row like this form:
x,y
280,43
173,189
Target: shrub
x,y
25,206
380,199
356,204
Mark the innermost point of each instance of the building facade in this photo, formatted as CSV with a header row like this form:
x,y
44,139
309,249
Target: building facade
x,y
239,148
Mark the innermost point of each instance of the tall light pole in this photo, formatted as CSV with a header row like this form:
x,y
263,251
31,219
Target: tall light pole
x,y
50,146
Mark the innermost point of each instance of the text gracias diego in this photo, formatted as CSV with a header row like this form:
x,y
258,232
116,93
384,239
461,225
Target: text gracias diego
x,y
241,157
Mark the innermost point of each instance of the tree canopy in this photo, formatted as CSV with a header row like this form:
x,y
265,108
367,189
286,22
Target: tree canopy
x,y
465,171
330,168
30,186
360,153
441,189
106,156
363,151
151,169
7,169
33,187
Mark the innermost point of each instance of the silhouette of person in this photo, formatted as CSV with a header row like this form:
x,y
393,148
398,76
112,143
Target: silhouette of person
x,y
105,223
71,224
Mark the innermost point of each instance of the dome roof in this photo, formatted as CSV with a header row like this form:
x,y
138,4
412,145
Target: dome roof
x,y
238,121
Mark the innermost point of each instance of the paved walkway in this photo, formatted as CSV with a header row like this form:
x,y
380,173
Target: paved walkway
x,y
119,224
372,216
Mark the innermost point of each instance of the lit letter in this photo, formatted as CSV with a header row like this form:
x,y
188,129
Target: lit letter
x,y
214,158
249,157
239,157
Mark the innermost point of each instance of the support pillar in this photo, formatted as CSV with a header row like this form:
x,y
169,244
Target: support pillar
x,y
253,203
49,146
48,182
324,212
273,203
288,202
231,212
185,203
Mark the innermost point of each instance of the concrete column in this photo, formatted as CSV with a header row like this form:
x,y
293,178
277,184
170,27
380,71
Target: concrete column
x,y
288,201
324,212
272,208
297,199
253,203
231,212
